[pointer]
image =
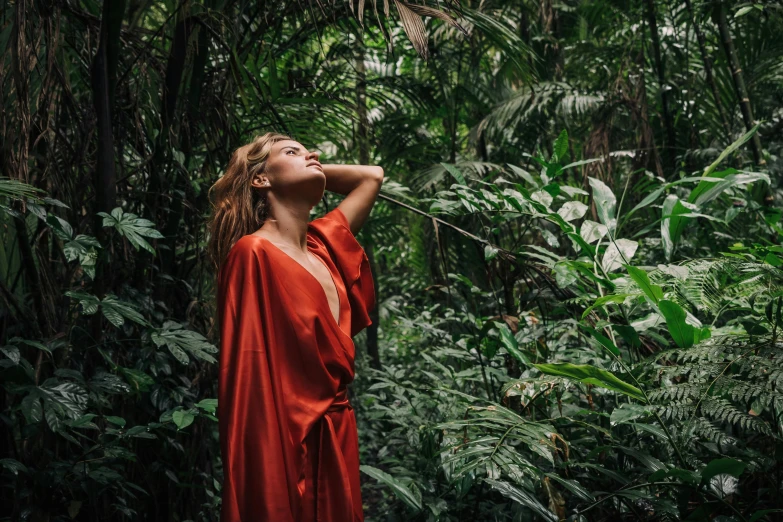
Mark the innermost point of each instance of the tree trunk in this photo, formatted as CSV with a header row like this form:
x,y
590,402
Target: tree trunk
x,y
671,139
705,57
719,16
362,132
176,68
103,77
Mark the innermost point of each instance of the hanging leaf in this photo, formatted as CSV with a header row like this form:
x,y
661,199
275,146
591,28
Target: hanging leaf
x,y
181,341
707,191
132,227
560,148
454,171
640,277
731,148
592,231
618,253
652,196
523,498
572,210
671,224
400,490
605,202
628,333
510,343
601,338
611,298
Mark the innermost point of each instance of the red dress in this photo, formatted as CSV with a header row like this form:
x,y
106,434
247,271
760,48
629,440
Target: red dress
x,y
288,434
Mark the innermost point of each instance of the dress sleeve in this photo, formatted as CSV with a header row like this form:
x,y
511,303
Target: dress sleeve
x,y
334,231
252,433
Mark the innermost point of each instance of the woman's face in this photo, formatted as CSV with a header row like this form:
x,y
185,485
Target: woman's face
x,y
291,165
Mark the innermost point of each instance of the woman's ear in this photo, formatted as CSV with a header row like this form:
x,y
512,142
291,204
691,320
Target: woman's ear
x,y
260,181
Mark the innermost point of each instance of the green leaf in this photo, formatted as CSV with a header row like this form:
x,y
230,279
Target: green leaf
x,y
681,332
490,252
720,466
119,421
523,498
758,515
605,202
591,375
454,171
707,191
182,418
640,277
754,328
592,231
117,310
560,148
565,274
731,148
618,253
572,210
601,338
688,477
652,196
510,343
180,340
132,227
628,412
573,486
611,298
14,466
629,334
671,224
400,490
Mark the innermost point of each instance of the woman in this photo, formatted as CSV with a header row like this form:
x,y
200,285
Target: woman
x,y
291,295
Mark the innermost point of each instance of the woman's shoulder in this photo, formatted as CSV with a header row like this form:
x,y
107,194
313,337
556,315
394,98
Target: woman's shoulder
x,y
333,216
246,247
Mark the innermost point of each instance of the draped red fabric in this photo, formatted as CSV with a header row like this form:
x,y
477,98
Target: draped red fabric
x,y
288,435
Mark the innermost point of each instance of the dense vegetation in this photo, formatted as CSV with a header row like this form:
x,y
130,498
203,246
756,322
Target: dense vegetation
x,y
577,250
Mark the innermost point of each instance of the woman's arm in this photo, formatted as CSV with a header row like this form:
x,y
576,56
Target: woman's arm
x,y
360,184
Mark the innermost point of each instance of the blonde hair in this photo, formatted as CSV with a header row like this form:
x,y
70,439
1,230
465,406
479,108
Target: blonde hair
x,y
238,208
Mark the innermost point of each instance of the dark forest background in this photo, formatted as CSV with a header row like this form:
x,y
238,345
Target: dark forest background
x,y
577,249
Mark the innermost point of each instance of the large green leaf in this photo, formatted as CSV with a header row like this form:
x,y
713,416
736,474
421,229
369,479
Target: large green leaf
x,y
403,492
605,202
618,253
591,375
731,148
510,343
522,497
181,341
707,191
722,466
684,334
132,227
592,231
640,277
601,338
672,224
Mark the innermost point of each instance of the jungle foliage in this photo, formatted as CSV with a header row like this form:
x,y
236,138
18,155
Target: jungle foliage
x,y
577,250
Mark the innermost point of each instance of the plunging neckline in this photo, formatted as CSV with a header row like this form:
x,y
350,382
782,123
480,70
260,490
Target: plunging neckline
x,y
318,283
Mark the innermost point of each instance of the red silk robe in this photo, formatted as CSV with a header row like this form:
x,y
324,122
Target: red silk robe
x,y
288,436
